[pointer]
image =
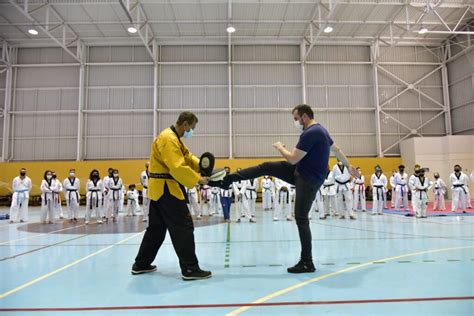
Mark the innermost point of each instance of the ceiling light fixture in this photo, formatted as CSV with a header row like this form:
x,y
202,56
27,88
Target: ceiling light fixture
x,y
230,29
423,30
33,32
328,29
132,30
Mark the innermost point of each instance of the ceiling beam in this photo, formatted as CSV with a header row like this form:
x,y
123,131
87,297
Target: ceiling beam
x,y
136,15
64,40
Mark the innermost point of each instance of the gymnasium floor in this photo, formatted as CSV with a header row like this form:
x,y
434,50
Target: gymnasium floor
x,y
390,265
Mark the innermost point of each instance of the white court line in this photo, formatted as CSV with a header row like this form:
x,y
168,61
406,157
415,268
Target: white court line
x,y
54,231
45,276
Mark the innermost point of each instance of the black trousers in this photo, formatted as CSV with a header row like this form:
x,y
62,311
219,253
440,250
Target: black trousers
x,y
305,195
169,214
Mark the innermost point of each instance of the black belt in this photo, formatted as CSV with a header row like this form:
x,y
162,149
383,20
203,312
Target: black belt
x,y
160,176
96,200
287,196
113,193
342,183
460,186
421,192
167,176
145,187
327,185
378,187
77,195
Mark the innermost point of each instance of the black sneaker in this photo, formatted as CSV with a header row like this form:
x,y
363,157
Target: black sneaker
x,y
302,267
138,270
195,274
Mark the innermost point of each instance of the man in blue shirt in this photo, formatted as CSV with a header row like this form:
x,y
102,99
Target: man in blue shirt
x,y
306,168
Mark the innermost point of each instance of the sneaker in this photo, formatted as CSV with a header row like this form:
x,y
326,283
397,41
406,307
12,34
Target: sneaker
x,y
238,220
144,220
275,219
138,270
86,222
322,217
373,214
22,221
11,222
342,217
195,274
352,217
289,219
99,222
302,267
252,220
364,211
380,213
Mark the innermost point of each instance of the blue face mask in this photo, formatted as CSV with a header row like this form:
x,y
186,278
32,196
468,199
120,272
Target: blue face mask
x,y
188,134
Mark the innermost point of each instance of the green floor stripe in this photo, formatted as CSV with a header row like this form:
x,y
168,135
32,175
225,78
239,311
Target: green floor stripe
x,y
453,260
378,262
327,264
275,265
353,263
227,248
249,266
429,260
404,261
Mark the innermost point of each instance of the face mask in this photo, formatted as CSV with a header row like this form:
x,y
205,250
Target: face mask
x,y
188,134
54,176
95,175
457,170
401,170
22,174
49,177
72,174
298,125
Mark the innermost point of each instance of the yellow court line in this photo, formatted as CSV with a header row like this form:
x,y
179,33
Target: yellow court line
x,y
54,231
23,286
325,276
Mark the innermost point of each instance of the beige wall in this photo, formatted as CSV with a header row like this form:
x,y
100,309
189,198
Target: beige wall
x,y
439,154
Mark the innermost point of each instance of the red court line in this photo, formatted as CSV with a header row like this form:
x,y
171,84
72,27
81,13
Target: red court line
x,y
104,308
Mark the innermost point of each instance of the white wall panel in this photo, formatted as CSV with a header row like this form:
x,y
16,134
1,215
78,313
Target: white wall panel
x,y
44,56
275,87
339,53
118,54
461,93
2,106
48,77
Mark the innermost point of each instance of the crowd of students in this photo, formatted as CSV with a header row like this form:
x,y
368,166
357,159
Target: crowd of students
x,y
340,196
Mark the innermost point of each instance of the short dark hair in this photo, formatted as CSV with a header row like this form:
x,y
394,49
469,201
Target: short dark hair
x,y
304,109
186,116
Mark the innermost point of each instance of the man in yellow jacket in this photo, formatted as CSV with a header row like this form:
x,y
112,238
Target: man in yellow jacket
x,y
172,167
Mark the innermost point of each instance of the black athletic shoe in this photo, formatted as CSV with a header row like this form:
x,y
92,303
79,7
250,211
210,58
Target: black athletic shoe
x,y
302,267
138,270
195,274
